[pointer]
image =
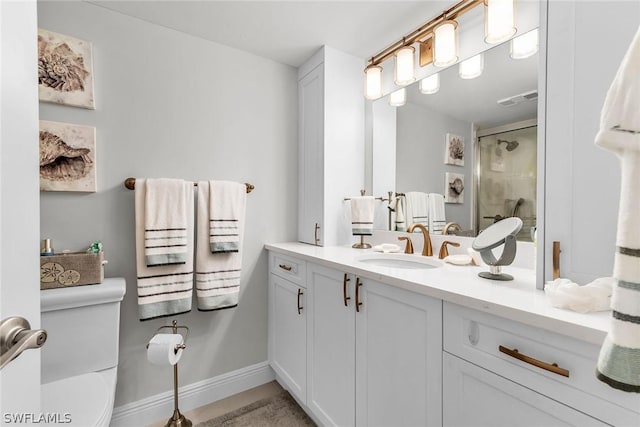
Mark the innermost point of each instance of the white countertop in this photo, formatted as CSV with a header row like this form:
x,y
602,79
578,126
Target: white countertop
x,y
517,300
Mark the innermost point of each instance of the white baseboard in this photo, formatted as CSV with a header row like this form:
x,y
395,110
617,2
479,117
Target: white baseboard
x,y
160,406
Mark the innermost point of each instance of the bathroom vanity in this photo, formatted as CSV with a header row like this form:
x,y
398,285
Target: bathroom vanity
x,y
360,344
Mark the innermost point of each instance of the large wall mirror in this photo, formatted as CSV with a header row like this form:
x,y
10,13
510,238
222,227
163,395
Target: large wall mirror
x,y
416,147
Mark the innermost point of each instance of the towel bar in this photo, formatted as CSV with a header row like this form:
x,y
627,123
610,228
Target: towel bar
x,y
130,183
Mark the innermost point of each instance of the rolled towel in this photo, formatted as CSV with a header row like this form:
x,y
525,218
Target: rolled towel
x,y
362,212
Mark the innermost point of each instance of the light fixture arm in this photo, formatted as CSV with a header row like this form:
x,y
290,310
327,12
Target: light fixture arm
x,y
424,31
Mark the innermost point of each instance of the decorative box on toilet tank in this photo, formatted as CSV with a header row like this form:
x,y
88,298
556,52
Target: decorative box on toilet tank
x,y
71,269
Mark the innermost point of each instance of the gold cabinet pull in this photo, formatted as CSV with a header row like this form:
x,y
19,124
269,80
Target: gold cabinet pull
x,y
551,367
344,290
285,267
315,234
556,260
300,293
358,303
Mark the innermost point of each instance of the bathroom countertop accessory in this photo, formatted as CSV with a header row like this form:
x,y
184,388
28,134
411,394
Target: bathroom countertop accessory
x,y
497,234
177,419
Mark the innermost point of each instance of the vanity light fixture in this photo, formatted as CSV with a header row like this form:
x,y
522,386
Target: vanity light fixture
x,y
405,72
438,42
398,98
373,82
430,85
472,67
445,45
525,45
499,20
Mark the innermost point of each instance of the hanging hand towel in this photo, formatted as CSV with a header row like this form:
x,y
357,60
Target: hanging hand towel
x,y
362,212
165,221
417,208
217,274
163,290
437,219
619,360
397,206
226,206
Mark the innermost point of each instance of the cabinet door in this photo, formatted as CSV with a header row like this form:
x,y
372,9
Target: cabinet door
x,y
310,152
331,347
288,334
398,358
476,397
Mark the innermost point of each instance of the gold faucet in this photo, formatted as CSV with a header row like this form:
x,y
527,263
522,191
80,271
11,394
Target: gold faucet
x,y
408,249
452,225
444,252
427,249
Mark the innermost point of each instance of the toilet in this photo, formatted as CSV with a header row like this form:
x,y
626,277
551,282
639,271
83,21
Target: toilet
x,y
80,357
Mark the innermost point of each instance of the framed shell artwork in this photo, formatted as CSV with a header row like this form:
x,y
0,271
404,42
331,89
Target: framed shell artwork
x,y
454,150
454,188
67,157
65,70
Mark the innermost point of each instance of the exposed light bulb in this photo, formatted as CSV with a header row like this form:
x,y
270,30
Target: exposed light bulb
x,y
405,66
472,67
445,43
430,85
525,45
398,98
499,20
373,82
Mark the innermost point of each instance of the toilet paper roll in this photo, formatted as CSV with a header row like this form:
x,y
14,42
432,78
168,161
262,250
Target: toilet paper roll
x,y
161,350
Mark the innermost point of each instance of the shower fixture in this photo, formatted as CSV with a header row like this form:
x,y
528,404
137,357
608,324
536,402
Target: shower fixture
x,y
511,145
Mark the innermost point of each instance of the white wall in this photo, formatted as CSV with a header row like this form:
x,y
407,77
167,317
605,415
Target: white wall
x,y
420,156
171,105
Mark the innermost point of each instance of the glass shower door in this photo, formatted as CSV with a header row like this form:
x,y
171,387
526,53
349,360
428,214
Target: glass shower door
x,y
507,178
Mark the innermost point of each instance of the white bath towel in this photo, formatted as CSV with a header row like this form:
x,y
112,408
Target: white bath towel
x,y
417,208
217,274
163,290
165,220
619,360
226,212
362,212
437,218
397,206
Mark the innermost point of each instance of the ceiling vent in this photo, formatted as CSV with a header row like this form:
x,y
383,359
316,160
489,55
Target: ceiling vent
x,y
517,99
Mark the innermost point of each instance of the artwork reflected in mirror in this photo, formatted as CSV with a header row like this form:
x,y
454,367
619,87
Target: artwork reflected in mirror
x,y
408,148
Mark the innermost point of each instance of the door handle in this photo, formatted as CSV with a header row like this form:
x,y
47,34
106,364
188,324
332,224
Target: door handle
x,y
345,297
16,336
316,239
300,307
358,303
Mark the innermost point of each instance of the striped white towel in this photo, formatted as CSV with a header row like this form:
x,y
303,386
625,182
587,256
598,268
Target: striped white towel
x,y
217,275
165,220
362,213
226,212
437,219
397,206
417,208
163,290
619,360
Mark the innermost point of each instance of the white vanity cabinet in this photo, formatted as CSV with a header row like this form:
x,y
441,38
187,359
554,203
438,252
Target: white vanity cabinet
x,y
330,144
374,352
500,372
582,181
288,323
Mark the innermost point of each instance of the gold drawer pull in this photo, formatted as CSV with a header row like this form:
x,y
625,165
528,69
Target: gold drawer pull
x,y
551,367
285,267
556,260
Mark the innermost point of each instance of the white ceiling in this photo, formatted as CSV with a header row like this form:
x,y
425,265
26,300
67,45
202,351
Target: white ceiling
x,y
288,32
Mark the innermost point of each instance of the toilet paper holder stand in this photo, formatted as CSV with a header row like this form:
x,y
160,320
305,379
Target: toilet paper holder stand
x,y
177,419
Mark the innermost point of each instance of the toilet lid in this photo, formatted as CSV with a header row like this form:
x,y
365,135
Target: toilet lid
x,y
83,400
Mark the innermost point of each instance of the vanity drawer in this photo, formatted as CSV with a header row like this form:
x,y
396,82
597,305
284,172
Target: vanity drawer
x,y
288,268
485,340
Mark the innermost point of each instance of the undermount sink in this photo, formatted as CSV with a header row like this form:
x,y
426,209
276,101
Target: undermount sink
x,y
400,260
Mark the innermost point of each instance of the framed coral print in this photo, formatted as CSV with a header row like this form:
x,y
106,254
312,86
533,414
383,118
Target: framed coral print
x,y
454,150
65,70
454,188
67,157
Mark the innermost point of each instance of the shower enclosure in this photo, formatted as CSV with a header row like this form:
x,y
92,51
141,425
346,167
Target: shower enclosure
x,y
506,176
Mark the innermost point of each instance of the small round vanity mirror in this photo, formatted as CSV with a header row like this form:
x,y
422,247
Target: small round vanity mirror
x,y
502,232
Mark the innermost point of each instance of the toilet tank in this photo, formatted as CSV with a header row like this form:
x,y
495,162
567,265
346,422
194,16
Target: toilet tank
x,y
83,325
